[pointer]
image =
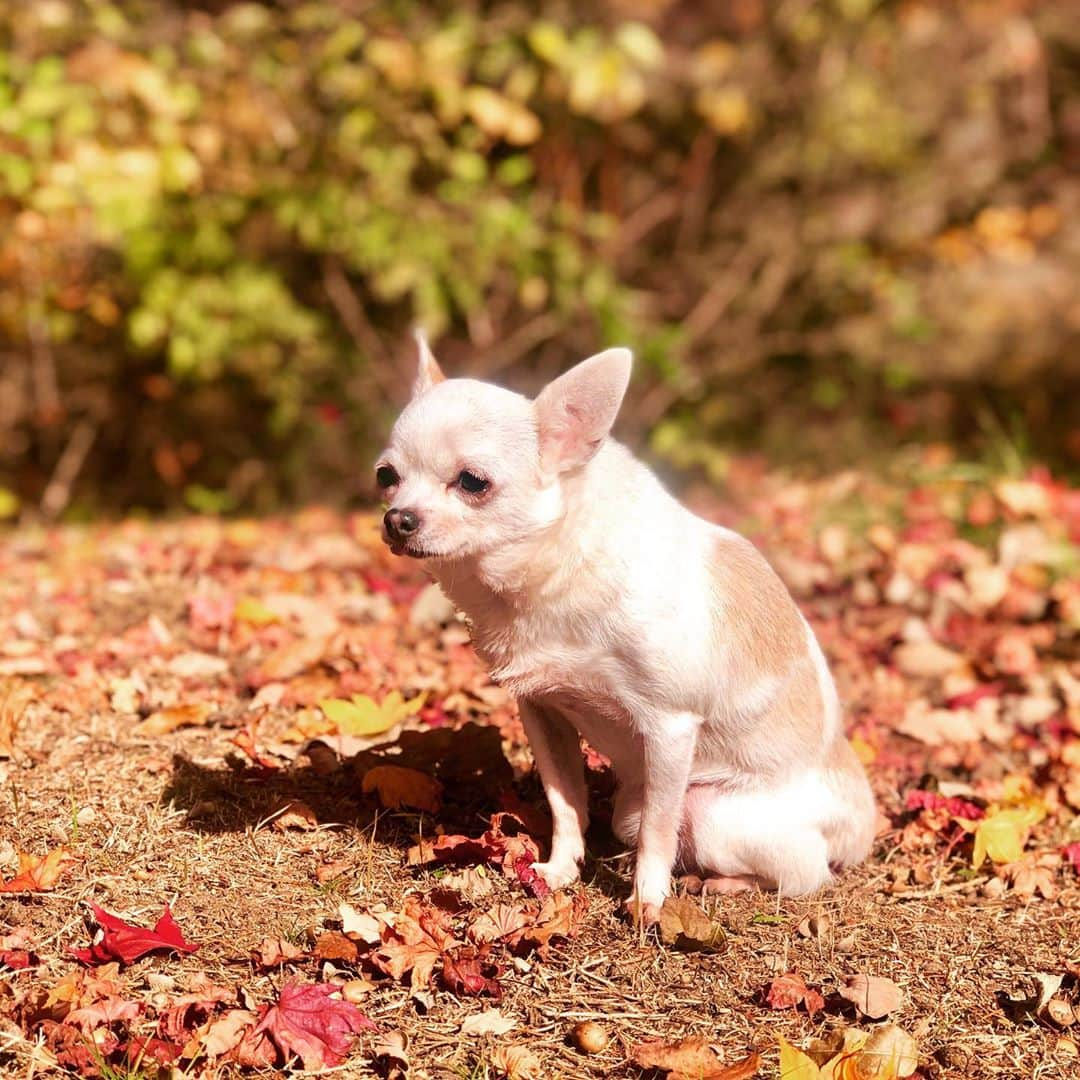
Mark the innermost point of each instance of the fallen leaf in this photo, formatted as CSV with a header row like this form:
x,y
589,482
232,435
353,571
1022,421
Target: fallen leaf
x,y
190,1012
294,815
889,1053
39,873
794,1064
312,1023
685,926
360,715
872,995
516,1063
119,940
926,659
470,971
398,787
691,1059
560,916
488,1022
102,1013
790,990
1072,854
527,874
415,942
180,716
15,695
250,609
502,921
391,1051
226,1032
289,660
1034,873
334,945
332,870
361,925
275,951
244,740
1002,834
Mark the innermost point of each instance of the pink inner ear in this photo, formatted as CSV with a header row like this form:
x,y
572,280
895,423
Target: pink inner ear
x,y
564,443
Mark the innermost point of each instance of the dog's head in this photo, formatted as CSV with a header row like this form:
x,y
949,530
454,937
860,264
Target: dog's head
x,y
471,466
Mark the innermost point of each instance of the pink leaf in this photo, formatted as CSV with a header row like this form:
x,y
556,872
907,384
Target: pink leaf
x,y
310,1023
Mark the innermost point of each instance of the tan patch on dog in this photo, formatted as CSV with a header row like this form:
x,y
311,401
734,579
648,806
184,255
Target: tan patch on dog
x,y
760,630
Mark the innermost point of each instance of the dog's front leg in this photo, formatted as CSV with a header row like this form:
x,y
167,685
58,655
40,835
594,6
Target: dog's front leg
x,y
556,749
669,742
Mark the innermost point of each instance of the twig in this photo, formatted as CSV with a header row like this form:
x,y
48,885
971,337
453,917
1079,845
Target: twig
x,y
352,318
521,341
58,491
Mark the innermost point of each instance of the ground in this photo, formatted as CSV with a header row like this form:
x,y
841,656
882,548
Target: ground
x,y
161,734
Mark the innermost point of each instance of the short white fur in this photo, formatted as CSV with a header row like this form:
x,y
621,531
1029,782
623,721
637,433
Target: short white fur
x,y
614,614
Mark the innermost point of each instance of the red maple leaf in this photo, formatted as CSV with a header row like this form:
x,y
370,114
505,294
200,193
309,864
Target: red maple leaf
x,y
143,1049
931,800
533,882
17,959
470,971
123,941
310,1023
789,991
1072,853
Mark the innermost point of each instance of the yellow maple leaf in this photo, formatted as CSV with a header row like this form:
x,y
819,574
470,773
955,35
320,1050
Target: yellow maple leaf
x,y
887,1054
794,1064
362,716
1004,831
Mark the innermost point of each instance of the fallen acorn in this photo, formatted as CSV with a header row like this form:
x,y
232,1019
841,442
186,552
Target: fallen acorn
x,y
589,1037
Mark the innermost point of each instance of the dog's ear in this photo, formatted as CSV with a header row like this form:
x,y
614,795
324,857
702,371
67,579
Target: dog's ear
x,y
428,372
574,413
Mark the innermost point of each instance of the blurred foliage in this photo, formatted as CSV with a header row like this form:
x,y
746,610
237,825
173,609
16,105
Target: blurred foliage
x,y
218,222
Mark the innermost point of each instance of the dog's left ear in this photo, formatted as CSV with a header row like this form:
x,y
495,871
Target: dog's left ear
x,y
574,413
428,372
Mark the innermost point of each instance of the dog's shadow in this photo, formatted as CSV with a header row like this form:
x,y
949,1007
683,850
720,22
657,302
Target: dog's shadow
x,y
477,781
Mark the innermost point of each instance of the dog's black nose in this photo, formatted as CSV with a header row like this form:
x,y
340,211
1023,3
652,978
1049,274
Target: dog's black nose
x,y
400,523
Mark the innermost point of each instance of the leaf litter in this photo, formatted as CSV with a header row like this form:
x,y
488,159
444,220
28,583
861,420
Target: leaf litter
x,y
956,655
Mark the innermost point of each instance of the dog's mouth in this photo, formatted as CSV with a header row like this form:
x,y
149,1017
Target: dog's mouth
x,y
403,547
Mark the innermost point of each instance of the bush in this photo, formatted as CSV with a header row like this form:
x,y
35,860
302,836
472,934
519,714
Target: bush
x,y
218,223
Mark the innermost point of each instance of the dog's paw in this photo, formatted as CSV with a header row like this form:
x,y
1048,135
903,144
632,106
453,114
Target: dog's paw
x,y
557,875
642,915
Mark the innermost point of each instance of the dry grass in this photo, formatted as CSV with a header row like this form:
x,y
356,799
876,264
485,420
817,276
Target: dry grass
x,y
166,819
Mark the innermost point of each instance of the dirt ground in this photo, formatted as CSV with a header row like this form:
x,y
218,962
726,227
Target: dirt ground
x,y
102,628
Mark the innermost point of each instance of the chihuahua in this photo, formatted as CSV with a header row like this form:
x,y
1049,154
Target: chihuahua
x,y
614,614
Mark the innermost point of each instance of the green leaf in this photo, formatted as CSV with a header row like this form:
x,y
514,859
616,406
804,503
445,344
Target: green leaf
x,y
362,716
1003,833
254,611
9,503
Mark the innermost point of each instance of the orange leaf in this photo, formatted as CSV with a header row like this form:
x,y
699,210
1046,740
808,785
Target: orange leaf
x,y
179,716
398,786
39,873
295,815
14,697
691,1059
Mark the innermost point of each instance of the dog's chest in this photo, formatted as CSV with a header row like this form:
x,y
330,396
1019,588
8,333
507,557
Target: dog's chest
x,y
580,673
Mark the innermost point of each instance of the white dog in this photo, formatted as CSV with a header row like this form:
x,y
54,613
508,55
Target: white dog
x,y
613,613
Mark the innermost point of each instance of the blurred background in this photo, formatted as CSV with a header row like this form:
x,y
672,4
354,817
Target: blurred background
x,y
828,229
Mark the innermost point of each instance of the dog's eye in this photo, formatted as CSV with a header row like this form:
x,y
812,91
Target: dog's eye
x,y
472,483
386,476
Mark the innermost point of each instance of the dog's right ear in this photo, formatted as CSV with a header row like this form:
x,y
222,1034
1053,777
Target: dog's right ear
x,y
428,372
